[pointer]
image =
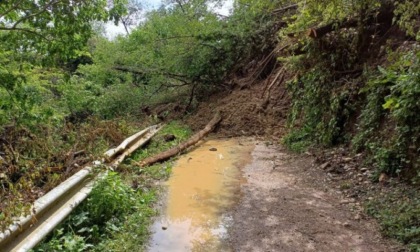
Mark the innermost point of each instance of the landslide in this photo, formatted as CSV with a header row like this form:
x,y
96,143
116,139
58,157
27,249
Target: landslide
x,y
347,98
243,112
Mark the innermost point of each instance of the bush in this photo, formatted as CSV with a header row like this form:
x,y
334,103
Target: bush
x,y
101,215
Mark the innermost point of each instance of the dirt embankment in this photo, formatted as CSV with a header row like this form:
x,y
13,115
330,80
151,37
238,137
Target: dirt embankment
x,y
244,113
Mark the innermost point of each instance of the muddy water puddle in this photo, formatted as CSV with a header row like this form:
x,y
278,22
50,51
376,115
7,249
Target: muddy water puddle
x,y
204,184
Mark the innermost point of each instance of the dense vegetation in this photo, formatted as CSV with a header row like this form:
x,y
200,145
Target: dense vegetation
x,y
353,67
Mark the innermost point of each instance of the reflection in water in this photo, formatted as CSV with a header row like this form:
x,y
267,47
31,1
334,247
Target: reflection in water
x,y
203,185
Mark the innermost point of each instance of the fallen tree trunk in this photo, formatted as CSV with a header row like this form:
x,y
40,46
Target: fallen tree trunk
x,y
176,150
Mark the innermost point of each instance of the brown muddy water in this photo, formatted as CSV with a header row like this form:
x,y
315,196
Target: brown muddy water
x,y
204,184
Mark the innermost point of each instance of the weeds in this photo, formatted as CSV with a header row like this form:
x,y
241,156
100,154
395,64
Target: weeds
x,y
399,216
37,161
117,214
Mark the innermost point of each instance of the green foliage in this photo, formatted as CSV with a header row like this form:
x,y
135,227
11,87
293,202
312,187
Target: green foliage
x,y
53,27
315,13
298,140
116,216
103,214
111,198
327,91
398,216
181,46
320,108
393,96
406,14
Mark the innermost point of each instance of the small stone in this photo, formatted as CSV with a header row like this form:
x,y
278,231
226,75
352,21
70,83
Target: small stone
x,y
383,178
346,224
3,176
347,201
213,149
364,169
347,159
164,227
325,165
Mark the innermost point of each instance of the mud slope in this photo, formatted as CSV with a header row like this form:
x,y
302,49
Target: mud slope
x,y
244,113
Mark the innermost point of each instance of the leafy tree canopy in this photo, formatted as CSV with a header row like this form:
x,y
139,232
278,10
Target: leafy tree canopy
x,y
53,27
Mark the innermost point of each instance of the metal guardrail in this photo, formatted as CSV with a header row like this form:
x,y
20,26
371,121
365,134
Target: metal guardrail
x,y
52,208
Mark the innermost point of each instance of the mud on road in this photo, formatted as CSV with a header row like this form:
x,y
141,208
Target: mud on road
x,y
280,203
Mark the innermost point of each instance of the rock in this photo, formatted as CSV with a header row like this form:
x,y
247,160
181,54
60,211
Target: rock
x,y
169,137
347,201
164,227
383,178
346,224
364,169
347,159
325,165
213,149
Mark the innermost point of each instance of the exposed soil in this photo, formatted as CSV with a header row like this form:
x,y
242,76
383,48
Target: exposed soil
x,y
243,112
309,202
288,205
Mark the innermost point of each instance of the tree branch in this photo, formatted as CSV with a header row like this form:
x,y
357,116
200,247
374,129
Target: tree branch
x,y
287,8
23,30
179,77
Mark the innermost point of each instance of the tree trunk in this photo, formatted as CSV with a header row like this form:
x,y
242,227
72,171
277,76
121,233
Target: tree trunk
x,y
176,150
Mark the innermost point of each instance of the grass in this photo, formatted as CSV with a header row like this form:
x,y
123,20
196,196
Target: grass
x,y
297,140
118,213
398,213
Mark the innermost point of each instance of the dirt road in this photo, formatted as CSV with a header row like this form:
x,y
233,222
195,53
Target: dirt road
x,y
285,207
275,201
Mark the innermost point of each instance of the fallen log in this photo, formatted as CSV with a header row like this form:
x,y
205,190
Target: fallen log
x,y
176,150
